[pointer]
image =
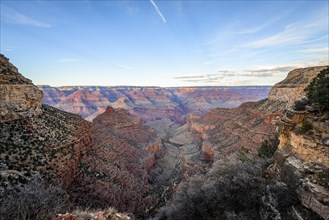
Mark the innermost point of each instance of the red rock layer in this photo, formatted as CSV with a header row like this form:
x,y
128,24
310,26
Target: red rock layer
x,y
115,172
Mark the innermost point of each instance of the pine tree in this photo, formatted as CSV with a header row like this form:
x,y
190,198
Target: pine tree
x,y
318,90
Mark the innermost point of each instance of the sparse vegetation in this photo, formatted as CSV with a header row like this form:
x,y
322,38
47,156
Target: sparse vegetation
x,y
323,178
34,201
232,187
306,126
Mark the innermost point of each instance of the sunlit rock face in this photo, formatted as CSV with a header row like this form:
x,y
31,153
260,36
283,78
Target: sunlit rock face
x,y
150,103
19,98
292,87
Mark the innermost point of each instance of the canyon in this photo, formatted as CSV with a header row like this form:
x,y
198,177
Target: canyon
x,y
141,144
149,103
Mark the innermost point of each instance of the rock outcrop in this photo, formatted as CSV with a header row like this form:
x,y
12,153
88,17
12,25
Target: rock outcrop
x,y
19,98
285,93
35,138
302,157
292,87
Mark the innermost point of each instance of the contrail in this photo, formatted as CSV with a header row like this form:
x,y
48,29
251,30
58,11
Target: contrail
x,y
158,11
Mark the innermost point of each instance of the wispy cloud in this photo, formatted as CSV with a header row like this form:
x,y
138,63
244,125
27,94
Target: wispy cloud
x,y
15,17
249,76
125,67
8,48
296,33
265,24
158,11
69,60
317,50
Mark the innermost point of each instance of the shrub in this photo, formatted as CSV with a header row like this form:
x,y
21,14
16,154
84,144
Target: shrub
x,y
268,148
34,201
231,188
306,126
318,90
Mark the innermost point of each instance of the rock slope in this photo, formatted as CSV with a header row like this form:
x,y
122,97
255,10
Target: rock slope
x,y
35,138
115,171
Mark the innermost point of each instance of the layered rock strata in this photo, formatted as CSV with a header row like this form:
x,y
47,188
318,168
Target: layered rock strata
x,y
302,157
115,171
224,130
19,98
150,103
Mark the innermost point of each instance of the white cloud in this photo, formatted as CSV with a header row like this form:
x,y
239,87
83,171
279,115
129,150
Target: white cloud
x,y
158,11
15,17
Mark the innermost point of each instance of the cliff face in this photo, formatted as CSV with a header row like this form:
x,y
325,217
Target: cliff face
x,y
292,87
224,130
149,103
36,138
285,93
302,157
116,170
19,97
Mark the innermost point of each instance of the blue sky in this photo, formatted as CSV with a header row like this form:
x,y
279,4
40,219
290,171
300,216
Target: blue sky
x,y
163,43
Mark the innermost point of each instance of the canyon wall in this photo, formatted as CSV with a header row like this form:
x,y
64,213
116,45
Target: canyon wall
x,y
302,158
150,103
115,170
34,138
223,130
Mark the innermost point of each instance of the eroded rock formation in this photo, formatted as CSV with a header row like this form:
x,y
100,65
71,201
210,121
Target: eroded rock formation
x,y
150,103
19,98
302,158
35,138
115,171
224,130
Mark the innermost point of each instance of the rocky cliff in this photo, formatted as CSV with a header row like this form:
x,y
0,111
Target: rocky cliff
x,y
35,138
224,130
285,93
19,97
302,158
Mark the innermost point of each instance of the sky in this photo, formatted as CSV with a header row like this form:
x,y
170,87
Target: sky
x,y
163,43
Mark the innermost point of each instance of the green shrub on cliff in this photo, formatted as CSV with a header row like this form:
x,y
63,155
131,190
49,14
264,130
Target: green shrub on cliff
x,y
268,147
318,90
306,126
